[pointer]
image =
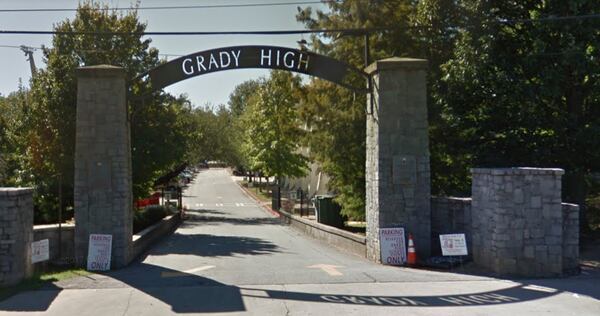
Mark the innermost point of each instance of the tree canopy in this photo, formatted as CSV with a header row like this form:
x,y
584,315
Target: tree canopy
x,y
271,127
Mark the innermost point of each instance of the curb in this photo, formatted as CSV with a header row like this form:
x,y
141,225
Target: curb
x,y
253,196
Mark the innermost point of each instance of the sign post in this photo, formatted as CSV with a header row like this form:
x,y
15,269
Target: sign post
x,y
393,246
99,252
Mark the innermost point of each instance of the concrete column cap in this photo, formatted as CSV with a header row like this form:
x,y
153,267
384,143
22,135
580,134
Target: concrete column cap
x,y
15,191
393,63
518,171
100,71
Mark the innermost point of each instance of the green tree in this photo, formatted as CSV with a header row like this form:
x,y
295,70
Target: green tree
x,y
337,115
162,134
13,116
157,120
239,98
272,128
523,90
216,136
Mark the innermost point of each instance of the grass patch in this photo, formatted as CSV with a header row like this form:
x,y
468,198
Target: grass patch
x,y
38,280
263,192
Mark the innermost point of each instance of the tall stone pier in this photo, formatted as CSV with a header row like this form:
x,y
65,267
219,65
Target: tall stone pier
x,y
397,164
103,198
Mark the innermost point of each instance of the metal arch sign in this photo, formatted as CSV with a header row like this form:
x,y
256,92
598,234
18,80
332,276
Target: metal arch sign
x,y
242,57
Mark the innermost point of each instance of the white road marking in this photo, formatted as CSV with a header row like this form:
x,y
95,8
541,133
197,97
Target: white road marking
x,y
328,268
540,288
175,274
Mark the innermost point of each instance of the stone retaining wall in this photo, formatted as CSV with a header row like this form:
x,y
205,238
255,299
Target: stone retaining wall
x,y
570,251
143,240
16,234
343,240
515,224
50,232
450,215
517,221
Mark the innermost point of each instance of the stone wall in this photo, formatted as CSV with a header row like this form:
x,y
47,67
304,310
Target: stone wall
x,y
513,228
450,215
517,221
16,234
50,232
570,236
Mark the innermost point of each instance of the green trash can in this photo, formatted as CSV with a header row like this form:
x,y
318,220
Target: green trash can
x,y
328,211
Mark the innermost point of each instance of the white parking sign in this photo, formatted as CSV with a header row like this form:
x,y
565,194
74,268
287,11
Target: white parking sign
x,y
453,245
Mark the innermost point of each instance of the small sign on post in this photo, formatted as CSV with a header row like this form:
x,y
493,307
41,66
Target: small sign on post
x,y
393,246
453,245
40,251
99,252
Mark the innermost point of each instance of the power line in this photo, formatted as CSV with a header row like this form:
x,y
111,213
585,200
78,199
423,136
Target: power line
x,y
85,50
207,6
353,31
552,18
177,33
19,47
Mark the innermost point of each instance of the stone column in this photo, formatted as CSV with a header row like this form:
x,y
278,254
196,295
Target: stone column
x,y
103,197
397,166
16,234
517,221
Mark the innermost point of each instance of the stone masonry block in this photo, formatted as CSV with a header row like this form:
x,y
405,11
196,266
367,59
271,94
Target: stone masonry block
x,y
527,201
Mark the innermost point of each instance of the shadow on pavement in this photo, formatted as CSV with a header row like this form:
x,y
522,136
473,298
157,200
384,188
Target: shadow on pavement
x,y
213,246
37,301
217,220
191,293
517,294
585,283
184,292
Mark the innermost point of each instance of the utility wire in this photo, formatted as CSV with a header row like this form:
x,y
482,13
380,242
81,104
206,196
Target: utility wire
x,y
552,18
19,47
351,31
177,33
86,50
207,6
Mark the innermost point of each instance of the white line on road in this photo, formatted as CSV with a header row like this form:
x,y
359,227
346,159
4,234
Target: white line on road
x,y
328,268
174,274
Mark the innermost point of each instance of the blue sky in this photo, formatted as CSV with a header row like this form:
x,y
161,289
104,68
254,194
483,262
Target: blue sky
x,y
208,89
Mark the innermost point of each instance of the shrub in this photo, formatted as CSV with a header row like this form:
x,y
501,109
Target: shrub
x,y
150,216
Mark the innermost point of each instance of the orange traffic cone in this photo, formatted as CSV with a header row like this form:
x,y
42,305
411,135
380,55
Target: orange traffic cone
x,y
412,254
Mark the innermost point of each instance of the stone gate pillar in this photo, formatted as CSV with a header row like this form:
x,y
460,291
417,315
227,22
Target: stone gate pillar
x,y
103,198
397,164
